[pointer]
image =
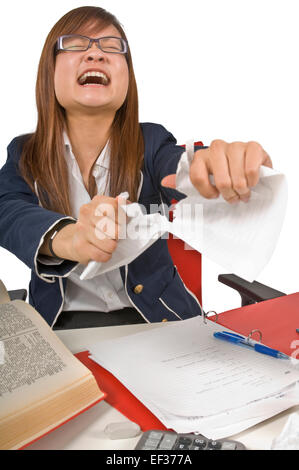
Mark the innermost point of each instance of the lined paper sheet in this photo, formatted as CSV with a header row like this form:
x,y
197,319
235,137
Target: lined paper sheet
x,y
188,378
232,421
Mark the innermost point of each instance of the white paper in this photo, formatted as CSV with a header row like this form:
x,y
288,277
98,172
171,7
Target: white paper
x,y
239,237
143,231
194,382
289,437
232,421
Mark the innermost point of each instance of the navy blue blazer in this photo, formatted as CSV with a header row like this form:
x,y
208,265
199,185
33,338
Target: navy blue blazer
x,y
23,223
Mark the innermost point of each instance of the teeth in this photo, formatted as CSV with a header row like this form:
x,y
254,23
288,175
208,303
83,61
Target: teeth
x,y
93,74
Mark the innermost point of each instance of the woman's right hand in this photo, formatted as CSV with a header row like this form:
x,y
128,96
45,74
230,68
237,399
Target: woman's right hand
x,y
95,235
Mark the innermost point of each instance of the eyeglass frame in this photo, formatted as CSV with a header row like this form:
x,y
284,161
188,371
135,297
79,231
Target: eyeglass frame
x,y
91,41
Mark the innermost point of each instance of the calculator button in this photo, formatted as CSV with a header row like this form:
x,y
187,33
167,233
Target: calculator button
x,y
201,443
228,445
185,440
168,441
214,445
155,435
182,447
152,443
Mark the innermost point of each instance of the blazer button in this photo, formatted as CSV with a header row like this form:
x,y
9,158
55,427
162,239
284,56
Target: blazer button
x,y
138,289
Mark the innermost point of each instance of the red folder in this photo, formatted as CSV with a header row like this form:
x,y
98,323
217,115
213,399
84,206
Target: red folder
x,y
276,319
119,396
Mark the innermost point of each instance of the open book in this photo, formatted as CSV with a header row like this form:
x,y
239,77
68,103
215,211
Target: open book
x,y
42,384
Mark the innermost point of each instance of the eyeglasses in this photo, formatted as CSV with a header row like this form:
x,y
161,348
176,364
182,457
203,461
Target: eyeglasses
x,y
75,42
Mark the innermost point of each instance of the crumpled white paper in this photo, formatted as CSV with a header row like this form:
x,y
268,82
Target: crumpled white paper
x,y
289,437
239,237
142,231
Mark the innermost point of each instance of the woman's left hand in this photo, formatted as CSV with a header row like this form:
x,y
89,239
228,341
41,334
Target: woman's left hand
x,y
235,167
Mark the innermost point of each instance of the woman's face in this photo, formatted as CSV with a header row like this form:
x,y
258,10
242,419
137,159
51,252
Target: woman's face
x,y
69,68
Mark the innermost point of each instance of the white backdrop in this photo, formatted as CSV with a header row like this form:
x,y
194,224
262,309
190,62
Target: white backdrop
x,y
205,69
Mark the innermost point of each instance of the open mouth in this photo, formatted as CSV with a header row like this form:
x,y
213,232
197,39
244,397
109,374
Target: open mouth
x,y
93,78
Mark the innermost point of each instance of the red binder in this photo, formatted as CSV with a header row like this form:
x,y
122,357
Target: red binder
x,y
119,396
276,319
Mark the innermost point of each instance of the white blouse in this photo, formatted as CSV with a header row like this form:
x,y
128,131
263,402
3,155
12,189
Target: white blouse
x,y
105,292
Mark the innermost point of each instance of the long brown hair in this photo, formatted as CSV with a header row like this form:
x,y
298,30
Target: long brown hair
x,y
42,159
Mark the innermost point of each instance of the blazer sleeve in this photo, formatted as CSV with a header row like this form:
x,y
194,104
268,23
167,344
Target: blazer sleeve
x,y
162,155
23,222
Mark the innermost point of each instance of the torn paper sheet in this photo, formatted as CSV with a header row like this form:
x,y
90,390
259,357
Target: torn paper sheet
x,y
239,237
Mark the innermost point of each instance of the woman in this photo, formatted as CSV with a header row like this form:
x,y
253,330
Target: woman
x,y
61,183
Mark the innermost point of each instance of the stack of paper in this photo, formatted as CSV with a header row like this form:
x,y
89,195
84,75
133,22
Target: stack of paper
x,y
193,382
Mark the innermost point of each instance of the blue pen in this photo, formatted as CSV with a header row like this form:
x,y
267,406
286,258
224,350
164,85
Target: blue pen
x,y
241,341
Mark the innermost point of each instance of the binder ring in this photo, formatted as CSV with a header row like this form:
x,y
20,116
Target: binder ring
x,y
255,331
205,316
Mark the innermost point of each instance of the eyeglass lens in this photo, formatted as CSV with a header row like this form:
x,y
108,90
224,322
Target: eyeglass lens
x,y
80,43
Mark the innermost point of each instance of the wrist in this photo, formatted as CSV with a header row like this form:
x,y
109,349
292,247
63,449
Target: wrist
x,y
59,242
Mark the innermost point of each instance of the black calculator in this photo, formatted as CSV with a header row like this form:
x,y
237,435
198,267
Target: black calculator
x,y
168,440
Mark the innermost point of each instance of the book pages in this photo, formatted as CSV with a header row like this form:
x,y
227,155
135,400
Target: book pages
x,y
35,364
4,297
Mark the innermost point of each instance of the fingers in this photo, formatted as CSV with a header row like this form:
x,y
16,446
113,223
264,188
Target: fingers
x,y
169,181
103,216
236,157
213,161
109,208
267,160
199,176
99,227
98,241
221,169
112,210
106,228
255,156
86,247
234,166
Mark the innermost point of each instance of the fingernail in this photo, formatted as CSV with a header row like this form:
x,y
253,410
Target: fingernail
x,y
233,200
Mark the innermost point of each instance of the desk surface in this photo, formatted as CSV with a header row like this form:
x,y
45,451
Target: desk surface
x,y
86,431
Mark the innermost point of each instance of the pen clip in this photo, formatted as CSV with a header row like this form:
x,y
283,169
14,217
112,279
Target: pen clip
x,y
228,333
245,340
